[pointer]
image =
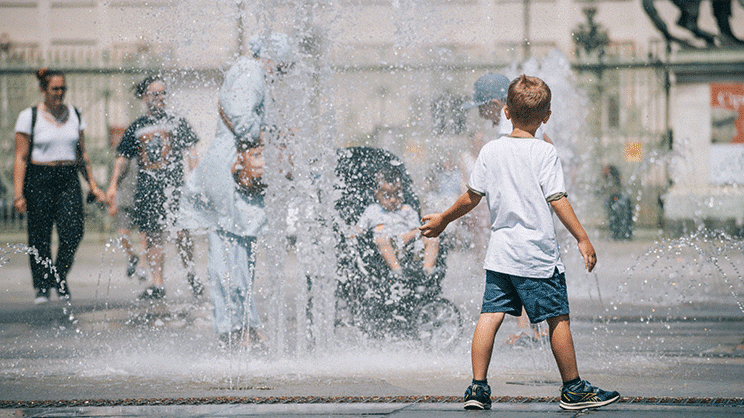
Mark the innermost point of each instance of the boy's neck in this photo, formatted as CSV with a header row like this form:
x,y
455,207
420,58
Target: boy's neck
x,y
525,130
524,133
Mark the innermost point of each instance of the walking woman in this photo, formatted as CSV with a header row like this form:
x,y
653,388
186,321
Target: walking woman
x,y
49,152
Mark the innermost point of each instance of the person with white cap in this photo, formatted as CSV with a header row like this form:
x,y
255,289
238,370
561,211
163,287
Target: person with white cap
x,y
489,96
225,193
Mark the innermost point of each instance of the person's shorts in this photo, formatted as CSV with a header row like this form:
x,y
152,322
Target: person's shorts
x,y
541,298
156,209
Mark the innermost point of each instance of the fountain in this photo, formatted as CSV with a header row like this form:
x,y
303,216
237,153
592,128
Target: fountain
x,y
624,314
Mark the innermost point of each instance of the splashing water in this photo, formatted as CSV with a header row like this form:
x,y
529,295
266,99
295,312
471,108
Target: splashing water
x,y
702,267
297,275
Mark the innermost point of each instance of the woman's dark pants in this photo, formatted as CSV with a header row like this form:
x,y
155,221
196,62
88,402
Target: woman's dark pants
x,y
53,197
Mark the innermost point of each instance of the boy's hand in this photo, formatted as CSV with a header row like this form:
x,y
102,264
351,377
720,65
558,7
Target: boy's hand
x,y
433,225
587,251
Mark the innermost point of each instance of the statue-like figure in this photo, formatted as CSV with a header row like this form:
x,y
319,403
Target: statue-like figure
x,y
689,13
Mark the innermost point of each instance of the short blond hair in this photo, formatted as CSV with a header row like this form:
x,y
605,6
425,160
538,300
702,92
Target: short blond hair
x,y
528,99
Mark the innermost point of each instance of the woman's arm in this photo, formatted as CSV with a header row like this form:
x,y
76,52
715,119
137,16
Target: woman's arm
x,y
87,171
121,166
22,142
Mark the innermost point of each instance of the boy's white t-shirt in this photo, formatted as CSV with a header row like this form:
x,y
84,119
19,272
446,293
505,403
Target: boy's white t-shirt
x,y
52,141
517,175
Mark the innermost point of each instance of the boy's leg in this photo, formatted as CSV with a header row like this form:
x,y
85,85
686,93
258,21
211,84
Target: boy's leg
x,y
478,394
576,394
482,348
561,343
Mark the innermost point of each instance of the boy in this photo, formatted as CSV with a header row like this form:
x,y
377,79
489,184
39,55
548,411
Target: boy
x,y
160,142
522,180
489,96
391,220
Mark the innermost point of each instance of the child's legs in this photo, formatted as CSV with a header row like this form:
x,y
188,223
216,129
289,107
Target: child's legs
x,y
126,242
219,282
431,250
155,256
561,342
230,268
482,348
185,247
385,246
125,230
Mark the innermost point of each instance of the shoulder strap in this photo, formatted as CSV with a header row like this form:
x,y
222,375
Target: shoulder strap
x,y
34,111
77,112
225,120
78,150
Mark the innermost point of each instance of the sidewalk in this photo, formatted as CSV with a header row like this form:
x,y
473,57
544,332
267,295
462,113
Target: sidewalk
x,y
399,410
648,323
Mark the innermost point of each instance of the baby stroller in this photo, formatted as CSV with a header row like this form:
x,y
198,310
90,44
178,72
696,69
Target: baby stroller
x,y
368,296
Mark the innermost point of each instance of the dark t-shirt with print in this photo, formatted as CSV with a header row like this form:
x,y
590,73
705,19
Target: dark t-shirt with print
x,y
158,145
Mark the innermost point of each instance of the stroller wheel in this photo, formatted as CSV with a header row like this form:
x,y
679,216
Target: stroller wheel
x,y
438,324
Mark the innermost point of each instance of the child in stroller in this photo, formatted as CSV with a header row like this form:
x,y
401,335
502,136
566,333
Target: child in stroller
x,y
384,292
394,227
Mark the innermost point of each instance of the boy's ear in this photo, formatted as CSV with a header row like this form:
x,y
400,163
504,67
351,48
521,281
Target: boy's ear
x,y
506,112
545,120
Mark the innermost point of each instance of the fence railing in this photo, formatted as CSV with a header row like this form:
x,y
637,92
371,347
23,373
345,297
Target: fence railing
x,y
98,84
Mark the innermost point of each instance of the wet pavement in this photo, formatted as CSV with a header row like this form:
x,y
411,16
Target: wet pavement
x,y
382,410
658,320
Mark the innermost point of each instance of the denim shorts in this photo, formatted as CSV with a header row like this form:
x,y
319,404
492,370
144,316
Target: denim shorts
x,y
541,298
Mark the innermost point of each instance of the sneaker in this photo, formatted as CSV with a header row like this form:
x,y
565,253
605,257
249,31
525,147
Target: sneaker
x,y
256,340
42,296
132,265
141,275
152,293
197,288
583,395
231,340
478,397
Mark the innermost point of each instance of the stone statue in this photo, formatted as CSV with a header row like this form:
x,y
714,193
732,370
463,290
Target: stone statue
x,y
689,13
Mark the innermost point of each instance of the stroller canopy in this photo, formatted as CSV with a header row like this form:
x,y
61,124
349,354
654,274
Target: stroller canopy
x,y
356,170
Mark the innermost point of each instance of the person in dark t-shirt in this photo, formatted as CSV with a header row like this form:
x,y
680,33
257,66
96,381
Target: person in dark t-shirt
x,y
158,141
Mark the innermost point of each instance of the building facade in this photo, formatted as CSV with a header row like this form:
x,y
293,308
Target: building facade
x,y
395,71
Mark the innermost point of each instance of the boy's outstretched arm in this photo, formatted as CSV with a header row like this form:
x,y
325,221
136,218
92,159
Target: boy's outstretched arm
x,y
435,223
565,213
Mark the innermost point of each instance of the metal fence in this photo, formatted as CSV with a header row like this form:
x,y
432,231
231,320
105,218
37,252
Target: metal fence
x,y
626,104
